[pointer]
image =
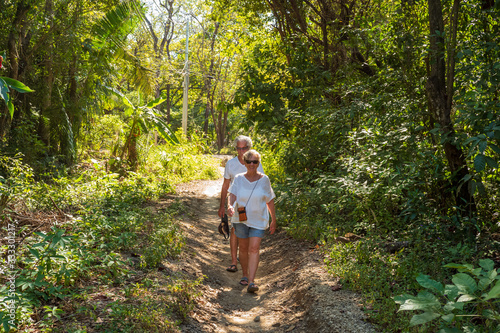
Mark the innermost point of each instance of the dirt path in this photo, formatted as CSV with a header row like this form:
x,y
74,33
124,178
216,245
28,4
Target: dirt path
x,y
296,294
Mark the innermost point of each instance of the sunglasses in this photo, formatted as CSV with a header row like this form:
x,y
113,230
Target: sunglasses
x,y
242,148
250,162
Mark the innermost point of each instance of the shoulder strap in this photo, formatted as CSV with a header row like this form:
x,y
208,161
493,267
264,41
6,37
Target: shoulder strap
x,y
252,191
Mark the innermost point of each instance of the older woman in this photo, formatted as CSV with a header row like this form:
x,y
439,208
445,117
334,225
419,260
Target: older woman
x,y
254,196
233,167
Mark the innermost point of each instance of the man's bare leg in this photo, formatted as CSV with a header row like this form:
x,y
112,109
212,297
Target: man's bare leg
x,y
233,244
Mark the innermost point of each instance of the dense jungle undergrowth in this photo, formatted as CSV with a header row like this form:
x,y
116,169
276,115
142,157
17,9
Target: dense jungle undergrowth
x,y
67,240
378,122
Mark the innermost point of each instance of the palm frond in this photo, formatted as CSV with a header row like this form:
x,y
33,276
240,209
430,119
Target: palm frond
x,y
161,127
110,38
115,26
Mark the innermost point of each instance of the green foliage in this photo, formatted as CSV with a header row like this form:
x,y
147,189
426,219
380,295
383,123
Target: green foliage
x,y
271,149
362,193
15,177
162,243
109,42
141,120
75,53
176,160
52,314
24,140
368,267
147,118
179,163
52,258
184,293
5,85
136,307
372,164
271,89
340,113
471,299
101,135
111,218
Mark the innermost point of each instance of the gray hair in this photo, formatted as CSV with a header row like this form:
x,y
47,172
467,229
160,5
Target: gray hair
x,y
251,152
244,138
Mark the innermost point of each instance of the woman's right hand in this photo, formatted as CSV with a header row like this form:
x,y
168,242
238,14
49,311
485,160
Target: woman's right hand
x,y
230,210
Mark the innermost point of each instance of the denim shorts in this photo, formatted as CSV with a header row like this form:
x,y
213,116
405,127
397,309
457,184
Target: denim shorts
x,y
241,230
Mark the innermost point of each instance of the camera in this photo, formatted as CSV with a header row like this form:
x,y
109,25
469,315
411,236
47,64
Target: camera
x,y
242,212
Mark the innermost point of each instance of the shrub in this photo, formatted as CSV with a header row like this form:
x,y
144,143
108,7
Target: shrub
x,y
164,242
15,179
184,294
470,303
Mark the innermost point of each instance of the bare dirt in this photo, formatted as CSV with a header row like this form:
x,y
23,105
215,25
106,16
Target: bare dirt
x,y
296,292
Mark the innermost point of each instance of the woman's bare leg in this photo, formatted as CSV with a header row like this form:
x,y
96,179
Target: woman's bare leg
x,y
243,245
253,257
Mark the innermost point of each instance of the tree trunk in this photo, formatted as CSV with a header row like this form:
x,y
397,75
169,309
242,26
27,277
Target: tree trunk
x,y
439,94
162,48
221,128
168,102
208,84
43,127
13,45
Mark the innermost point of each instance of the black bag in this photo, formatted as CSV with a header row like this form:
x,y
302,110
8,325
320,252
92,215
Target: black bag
x,y
224,227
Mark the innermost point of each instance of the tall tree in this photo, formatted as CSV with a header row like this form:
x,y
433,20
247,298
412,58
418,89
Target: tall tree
x,y
325,25
209,78
440,90
18,40
162,39
218,43
58,53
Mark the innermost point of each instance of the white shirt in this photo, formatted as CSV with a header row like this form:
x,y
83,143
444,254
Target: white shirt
x,y
255,202
234,167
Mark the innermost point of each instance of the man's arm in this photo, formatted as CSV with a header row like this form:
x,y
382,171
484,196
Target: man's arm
x,y
223,196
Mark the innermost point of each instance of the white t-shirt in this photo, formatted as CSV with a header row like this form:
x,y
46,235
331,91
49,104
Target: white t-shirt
x,y
234,167
255,202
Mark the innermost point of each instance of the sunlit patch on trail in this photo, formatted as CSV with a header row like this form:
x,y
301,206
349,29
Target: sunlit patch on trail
x,y
213,190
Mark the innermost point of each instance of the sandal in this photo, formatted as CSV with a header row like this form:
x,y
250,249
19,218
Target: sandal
x,y
244,281
252,287
232,268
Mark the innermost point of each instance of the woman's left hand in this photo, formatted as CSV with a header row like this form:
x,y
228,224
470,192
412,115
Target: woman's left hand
x,y
272,227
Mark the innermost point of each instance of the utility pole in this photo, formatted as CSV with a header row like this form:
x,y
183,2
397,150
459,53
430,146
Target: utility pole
x,y
186,82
